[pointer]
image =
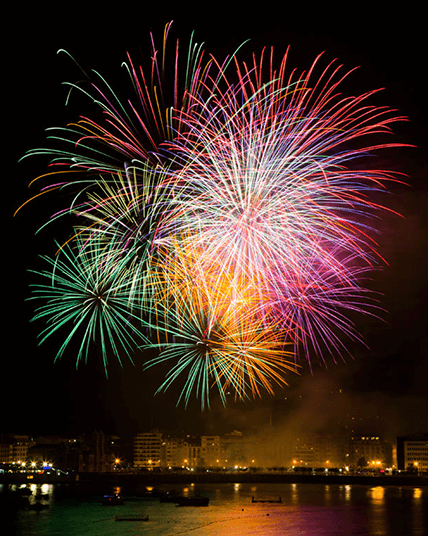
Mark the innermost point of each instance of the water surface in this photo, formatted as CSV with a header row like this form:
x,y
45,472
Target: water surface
x,y
305,510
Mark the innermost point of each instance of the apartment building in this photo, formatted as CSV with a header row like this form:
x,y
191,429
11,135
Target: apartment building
x,y
412,452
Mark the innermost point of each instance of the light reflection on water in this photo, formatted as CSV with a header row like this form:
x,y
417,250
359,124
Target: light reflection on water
x,y
347,493
305,510
417,493
377,494
294,494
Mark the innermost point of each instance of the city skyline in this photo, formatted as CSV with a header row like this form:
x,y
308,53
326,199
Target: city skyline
x,y
387,381
161,450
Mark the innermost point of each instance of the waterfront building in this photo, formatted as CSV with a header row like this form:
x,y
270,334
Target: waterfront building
x,y
412,452
6,452
319,450
47,450
210,453
371,449
193,451
14,448
96,455
234,448
20,446
273,448
180,452
148,449
173,452
304,454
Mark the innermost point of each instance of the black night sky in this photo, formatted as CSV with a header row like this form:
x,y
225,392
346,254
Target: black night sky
x,y
384,386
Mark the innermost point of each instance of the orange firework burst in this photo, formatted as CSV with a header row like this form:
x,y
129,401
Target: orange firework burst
x,y
209,321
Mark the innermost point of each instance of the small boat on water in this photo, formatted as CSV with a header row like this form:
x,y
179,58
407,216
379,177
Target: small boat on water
x,y
253,500
193,500
112,500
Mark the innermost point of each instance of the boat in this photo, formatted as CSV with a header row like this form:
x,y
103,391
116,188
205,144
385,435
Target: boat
x,y
193,500
253,500
112,500
132,517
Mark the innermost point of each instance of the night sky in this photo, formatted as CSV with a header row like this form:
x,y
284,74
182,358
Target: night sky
x,y
383,388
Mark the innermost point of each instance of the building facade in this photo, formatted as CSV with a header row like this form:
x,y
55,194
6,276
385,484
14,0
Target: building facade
x,y
14,448
369,451
148,450
211,454
412,452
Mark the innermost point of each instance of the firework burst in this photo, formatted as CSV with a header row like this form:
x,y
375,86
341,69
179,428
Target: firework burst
x,y
209,324
225,210
271,184
87,294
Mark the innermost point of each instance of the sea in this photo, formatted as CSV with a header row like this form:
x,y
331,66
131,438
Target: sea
x,y
305,510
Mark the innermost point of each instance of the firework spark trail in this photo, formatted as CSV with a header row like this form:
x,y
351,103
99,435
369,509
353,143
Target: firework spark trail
x,y
87,292
267,185
208,323
316,311
124,214
131,131
225,210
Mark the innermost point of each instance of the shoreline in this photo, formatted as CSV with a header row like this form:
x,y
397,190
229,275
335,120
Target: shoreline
x,y
153,479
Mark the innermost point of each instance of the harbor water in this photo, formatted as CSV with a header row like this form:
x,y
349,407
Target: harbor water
x,y
304,510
